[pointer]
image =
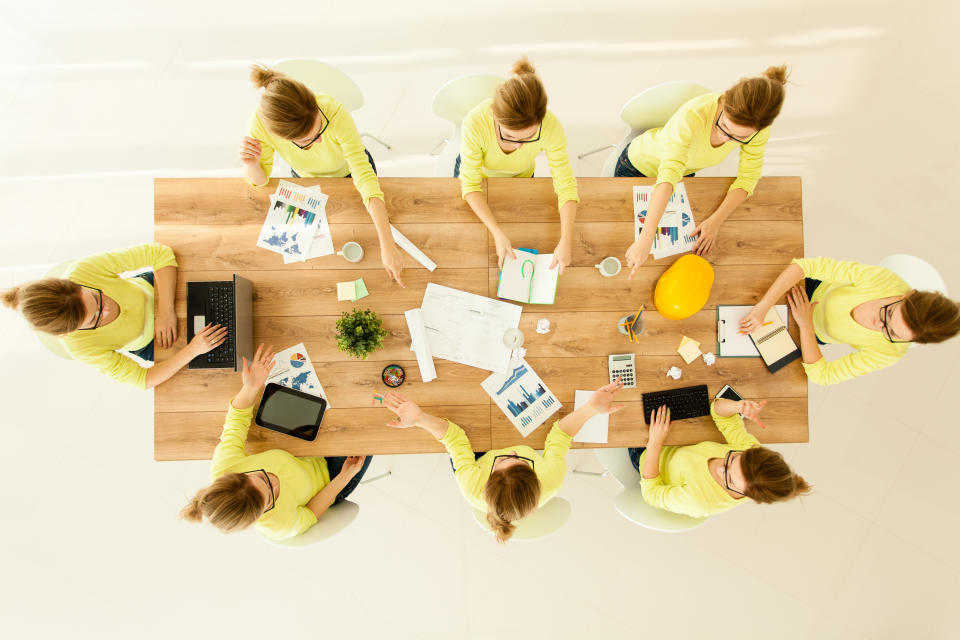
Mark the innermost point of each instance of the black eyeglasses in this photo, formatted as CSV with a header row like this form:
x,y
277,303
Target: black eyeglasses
x,y
326,123
730,135
500,134
266,478
726,477
885,318
99,308
510,455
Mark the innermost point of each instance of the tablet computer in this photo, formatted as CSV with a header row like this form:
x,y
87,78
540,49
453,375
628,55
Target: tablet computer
x,y
291,412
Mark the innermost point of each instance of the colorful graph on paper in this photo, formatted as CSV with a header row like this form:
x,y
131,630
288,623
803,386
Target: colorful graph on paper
x,y
295,222
522,396
676,224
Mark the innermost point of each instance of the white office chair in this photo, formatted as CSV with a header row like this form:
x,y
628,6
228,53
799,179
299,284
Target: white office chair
x,y
53,344
630,502
917,273
648,109
539,524
324,78
333,521
452,102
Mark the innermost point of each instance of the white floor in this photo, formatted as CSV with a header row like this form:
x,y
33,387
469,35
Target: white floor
x,y
97,99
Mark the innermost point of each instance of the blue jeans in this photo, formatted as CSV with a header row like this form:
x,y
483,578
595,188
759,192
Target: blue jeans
x,y
335,464
456,168
625,168
810,285
146,353
635,453
373,166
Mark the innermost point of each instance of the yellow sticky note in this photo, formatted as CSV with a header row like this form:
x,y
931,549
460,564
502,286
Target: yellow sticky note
x,y
685,340
689,350
346,291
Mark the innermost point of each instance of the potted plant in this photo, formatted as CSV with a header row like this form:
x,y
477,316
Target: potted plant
x,y
360,332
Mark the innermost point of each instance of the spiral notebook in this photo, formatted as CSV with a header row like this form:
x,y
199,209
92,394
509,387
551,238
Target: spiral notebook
x,y
774,343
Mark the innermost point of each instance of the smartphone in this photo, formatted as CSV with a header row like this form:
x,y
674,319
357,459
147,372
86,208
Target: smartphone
x,y
728,393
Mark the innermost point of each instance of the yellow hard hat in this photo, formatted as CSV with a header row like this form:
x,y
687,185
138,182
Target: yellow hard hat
x,y
684,288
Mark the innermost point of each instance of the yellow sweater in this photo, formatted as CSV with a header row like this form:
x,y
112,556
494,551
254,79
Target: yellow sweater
x,y
481,155
682,147
685,484
472,474
133,328
339,152
300,478
846,285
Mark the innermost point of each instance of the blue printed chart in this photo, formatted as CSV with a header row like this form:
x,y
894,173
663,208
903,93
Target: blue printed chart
x,y
293,369
522,396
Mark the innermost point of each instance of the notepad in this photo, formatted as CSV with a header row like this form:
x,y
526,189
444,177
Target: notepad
x,y
351,291
730,342
689,349
528,278
775,345
597,428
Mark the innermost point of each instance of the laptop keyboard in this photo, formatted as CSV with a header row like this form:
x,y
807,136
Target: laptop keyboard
x,y
220,311
686,402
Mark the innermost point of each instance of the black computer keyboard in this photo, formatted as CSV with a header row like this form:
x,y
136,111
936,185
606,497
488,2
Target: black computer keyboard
x,y
220,311
686,402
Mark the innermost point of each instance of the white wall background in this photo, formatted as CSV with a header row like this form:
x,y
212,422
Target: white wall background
x,y
99,97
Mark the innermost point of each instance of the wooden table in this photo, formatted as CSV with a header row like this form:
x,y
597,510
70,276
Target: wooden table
x,y
213,224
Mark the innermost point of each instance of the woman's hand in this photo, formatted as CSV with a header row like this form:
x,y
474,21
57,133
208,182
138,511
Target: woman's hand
x,y
503,247
562,255
602,399
254,374
706,232
351,466
165,328
392,261
801,308
250,151
751,411
754,319
638,253
659,426
407,412
209,338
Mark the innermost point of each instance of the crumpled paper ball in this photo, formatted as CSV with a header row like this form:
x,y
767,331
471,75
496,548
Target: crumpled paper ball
x,y
674,372
543,325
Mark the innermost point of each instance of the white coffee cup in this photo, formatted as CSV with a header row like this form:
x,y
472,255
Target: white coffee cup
x,y
353,252
608,267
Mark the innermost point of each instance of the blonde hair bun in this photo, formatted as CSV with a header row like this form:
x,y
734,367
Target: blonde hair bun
x,y
11,297
523,66
262,76
778,74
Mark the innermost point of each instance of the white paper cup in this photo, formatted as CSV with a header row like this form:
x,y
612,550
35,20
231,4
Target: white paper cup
x,y
352,252
608,267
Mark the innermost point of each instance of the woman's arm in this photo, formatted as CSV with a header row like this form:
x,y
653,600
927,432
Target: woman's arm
x,y
563,254
165,324
389,252
708,230
251,152
600,402
787,278
211,337
479,205
639,251
659,428
325,497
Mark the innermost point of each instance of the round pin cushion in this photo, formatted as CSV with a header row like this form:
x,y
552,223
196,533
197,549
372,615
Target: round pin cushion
x,y
393,375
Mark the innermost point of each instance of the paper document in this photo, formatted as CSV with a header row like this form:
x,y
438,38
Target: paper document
x,y
467,328
522,396
528,278
676,224
732,343
412,249
294,370
596,428
419,339
322,244
295,218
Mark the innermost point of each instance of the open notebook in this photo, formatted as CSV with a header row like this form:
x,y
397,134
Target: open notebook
x,y
775,345
528,278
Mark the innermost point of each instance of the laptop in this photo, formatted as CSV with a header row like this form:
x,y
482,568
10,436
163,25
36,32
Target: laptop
x,y
228,303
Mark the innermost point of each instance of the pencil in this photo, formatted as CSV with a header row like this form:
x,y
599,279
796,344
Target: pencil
x,y
767,323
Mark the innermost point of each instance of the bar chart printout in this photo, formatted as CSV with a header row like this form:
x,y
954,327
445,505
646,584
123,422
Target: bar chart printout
x,y
522,396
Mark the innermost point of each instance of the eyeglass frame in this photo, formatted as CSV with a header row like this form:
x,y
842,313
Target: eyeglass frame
x,y
96,324
266,477
726,133
537,139
510,455
726,478
326,124
884,326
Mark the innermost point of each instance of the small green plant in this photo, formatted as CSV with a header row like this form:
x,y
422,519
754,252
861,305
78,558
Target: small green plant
x,y
360,333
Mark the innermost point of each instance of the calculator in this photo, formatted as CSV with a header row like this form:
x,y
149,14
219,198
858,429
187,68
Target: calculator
x,y
625,366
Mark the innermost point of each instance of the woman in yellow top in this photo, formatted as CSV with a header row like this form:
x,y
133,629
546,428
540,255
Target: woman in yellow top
x,y
867,307
508,484
317,137
105,317
278,493
501,139
704,479
701,134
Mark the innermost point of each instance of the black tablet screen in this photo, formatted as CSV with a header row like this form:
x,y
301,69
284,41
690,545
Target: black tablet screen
x,y
295,414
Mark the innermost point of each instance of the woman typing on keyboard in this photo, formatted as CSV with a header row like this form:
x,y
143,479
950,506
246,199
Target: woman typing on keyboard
x,y
279,494
103,316
704,479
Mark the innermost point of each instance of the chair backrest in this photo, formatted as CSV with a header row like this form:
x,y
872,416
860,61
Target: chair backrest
x,y
323,78
53,344
653,107
539,524
917,273
333,521
630,502
457,97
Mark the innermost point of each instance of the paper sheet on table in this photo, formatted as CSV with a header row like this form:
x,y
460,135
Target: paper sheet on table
x,y
467,328
294,370
322,244
732,343
522,396
689,349
676,224
420,346
596,429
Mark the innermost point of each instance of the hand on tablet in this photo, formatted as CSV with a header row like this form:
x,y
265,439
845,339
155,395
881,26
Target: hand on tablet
x,y
256,372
